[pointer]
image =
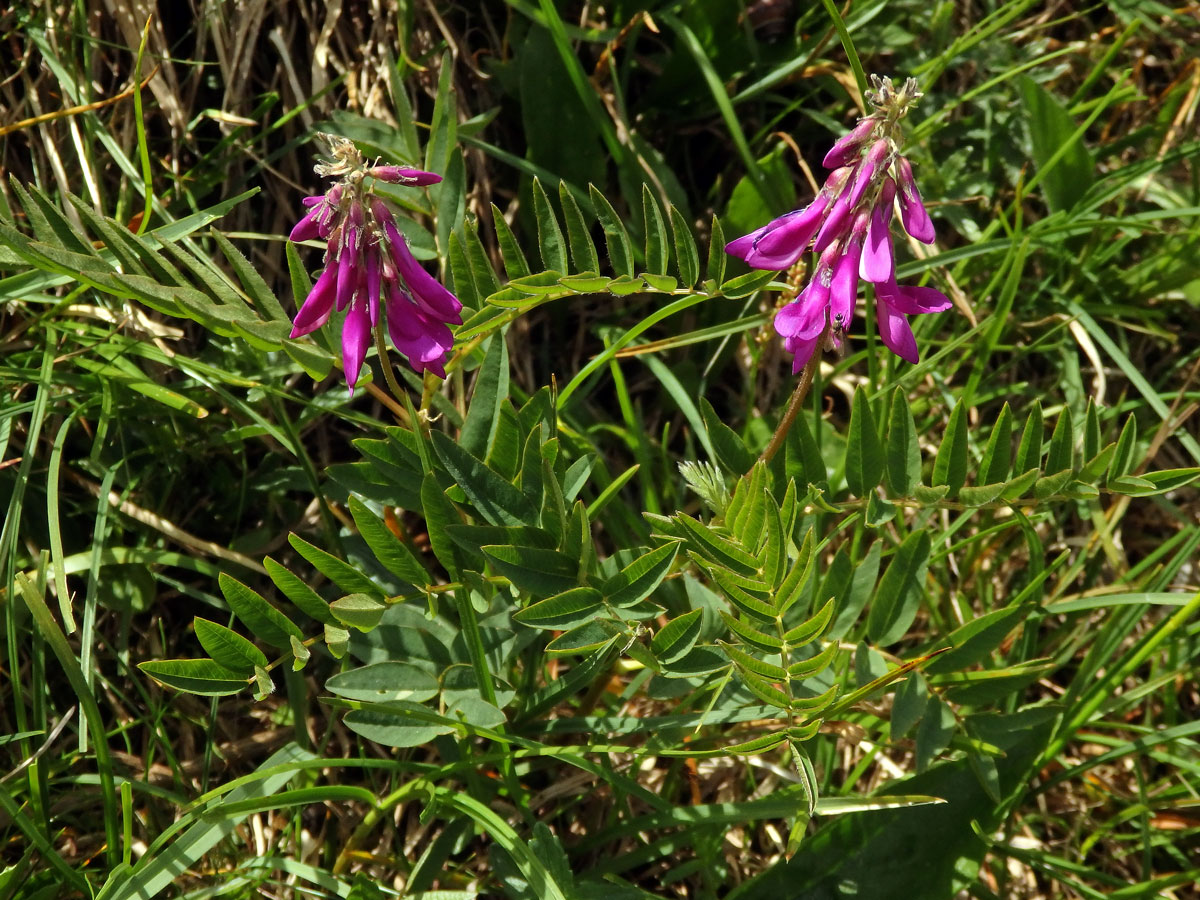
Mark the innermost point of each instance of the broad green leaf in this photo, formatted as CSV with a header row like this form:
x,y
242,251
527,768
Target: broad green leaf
x,y
1153,483
804,461
620,249
1051,484
1091,430
463,279
497,500
489,392
1029,452
228,648
759,744
997,456
908,705
303,597
1016,487
745,602
384,682
900,590
440,514
813,628
583,251
731,449
1063,161
300,654
806,668
550,236
562,611
391,552
396,727
476,711
677,638
337,639
262,619
686,256
715,270
515,265
978,496
1061,454
360,611
716,548
195,676
864,453
950,465
752,636
903,469
341,573
582,638
638,580
1123,457
656,233
744,285
533,569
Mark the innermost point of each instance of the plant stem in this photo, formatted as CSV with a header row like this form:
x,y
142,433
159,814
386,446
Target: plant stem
x,y
385,363
797,401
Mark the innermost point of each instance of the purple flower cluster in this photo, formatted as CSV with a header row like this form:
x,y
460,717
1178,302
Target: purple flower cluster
x,y
848,226
368,263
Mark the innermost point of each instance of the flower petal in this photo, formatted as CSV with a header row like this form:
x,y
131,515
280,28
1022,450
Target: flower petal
x,y
835,223
916,300
802,350
894,330
847,147
356,337
317,306
843,289
912,211
404,175
426,290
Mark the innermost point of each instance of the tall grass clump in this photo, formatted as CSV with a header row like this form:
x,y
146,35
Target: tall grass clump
x,y
683,450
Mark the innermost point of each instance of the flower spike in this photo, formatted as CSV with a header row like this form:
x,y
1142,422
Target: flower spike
x,y
368,264
848,224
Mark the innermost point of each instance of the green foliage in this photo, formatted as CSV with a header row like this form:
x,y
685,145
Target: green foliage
x,y
553,620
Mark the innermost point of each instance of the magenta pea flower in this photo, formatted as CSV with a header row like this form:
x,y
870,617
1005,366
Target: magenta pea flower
x,y
849,225
368,264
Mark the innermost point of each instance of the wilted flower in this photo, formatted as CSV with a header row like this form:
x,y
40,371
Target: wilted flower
x,y
848,224
368,263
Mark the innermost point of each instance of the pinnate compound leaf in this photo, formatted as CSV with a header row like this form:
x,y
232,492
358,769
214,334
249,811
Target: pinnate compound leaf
x,y
385,682
806,668
900,590
716,548
228,648
1123,456
864,453
812,629
262,619
195,676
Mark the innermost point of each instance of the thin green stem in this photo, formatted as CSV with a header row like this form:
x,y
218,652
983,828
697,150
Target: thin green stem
x,y
385,363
